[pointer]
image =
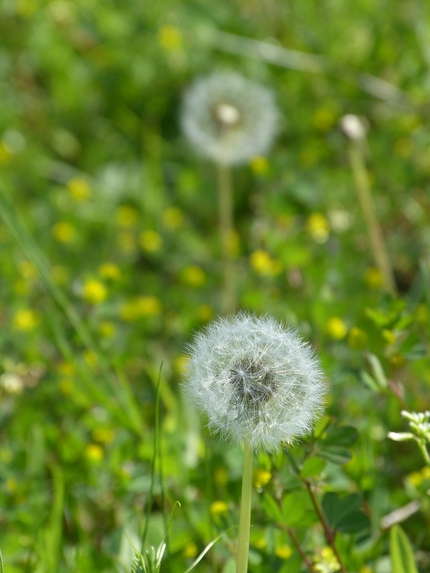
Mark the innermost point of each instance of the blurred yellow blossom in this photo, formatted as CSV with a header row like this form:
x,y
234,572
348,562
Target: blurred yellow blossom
x,y
66,368
126,216
283,552
90,358
417,478
318,227
150,241
422,314
324,118
172,218
170,37
27,270
103,435
260,477
204,312
64,232
180,363
22,287
233,242
366,569
259,165
326,562
5,154
397,361
263,264
357,338
141,307
94,453
389,336
94,291
25,319
190,550
79,189
106,329
221,476
336,328
11,485
109,271
193,276
373,277
66,386
218,507
259,542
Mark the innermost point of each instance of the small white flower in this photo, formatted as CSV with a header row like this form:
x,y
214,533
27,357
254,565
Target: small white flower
x,y
256,381
353,127
229,118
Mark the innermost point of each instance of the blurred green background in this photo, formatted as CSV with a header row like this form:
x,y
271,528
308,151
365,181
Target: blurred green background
x,y
96,175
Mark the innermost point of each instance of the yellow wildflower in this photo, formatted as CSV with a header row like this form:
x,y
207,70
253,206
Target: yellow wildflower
x,y
170,37
283,552
25,319
263,264
389,336
109,271
79,189
103,435
318,227
422,314
260,477
180,363
150,241
259,165
94,291
373,278
11,485
90,358
148,306
221,476
27,270
172,218
324,118
66,386
218,507
94,453
5,154
365,569
126,216
193,276
64,232
204,312
106,329
259,542
66,368
357,338
336,328
190,550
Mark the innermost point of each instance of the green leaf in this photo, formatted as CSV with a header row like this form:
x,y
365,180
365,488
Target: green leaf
x,y
335,454
297,510
271,508
353,522
377,371
313,466
401,553
340,436
343,514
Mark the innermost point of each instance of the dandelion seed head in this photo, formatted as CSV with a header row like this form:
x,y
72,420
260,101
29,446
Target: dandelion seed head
x,y
255,380
229,118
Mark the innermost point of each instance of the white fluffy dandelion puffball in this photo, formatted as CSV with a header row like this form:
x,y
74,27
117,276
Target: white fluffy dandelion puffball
x,y
229,118
256,381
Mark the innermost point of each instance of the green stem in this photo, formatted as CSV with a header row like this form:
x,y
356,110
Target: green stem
x,y
245,512
377,243
225,208
424,451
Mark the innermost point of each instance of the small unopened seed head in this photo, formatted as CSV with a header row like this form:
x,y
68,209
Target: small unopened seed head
x,y
227,114
353,127
255,380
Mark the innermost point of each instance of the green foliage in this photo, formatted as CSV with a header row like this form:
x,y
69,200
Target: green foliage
x,y
401,553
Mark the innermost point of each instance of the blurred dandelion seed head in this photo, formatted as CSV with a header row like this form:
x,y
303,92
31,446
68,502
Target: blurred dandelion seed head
x,y
353,127
256,381
229,118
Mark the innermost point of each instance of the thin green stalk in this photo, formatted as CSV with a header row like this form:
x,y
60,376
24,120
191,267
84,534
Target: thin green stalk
x,y
225,207
377,242
424,451
245,512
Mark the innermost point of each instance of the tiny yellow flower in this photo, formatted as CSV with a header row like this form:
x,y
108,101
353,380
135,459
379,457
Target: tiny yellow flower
x,y
64,232
357,338
79,189
389,336
190,550
422,314
5,154
66,368
263,264
60,275
204,312
221,476
25,319
259,542
180,363
148,306
150,241
22,287
193,276
66,386
27,270
260,477
94,291
324,118
103,435
283,552
218,507
106,329
11,485
126,216
365,569
336,328
94,453
318,227
170,37
172,218
259,165
109,271
373,278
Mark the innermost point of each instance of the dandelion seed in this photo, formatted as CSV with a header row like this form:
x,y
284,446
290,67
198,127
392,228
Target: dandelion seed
x,y
229,118
255,380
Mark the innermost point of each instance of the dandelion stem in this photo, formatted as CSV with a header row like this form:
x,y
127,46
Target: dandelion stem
x,y
225,206
377,243
245,512
328,532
